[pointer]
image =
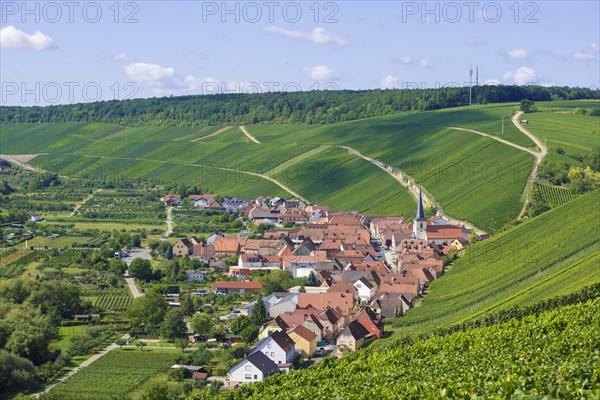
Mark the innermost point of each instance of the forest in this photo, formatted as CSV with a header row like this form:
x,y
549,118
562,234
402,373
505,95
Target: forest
x,y
312,107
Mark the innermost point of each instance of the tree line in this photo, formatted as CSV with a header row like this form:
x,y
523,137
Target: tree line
x,y
311,107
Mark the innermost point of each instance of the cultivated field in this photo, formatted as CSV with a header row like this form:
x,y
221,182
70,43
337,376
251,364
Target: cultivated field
x,y
472,177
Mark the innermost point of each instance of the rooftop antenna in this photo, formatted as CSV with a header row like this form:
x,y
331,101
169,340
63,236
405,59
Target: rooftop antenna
x,y
470,82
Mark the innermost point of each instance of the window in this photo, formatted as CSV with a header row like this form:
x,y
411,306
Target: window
x,y
272,354
248,368
269,345
255,377
248,376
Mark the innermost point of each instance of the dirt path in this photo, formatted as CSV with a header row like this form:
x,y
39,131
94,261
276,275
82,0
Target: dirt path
x,y
78,206
539,156
21,160
215,133
516,146
169,221
281,185
243,128
409,183
87,362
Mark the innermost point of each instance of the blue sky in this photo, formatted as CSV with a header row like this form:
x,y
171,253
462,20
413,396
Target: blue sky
x,y
55,52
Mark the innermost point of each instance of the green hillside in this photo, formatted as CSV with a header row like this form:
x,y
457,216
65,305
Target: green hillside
x,y
554,354
472,177
553,254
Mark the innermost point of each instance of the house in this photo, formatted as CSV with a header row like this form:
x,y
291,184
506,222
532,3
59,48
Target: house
x,y
279,347
195,276
226,287
365,290
304,339
304,317
320,301
172,199
183,248
332,321
254,368
370,321
351,338
283,305
35,217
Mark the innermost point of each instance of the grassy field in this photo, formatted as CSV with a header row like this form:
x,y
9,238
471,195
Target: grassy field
x,y
126,370
553,254
575,134
472,177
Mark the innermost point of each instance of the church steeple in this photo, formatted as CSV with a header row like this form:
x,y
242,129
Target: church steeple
x,y
420,223
420,213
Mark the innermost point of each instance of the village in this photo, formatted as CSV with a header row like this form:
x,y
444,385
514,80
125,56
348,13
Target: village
x,y
360,269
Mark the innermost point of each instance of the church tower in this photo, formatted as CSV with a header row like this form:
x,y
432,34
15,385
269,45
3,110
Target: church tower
x,y
420,222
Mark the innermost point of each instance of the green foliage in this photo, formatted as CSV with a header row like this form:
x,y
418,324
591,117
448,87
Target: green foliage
x,y
314,107
173,326
552,354
528,106
201,324
126,370
148,309
16,372
240,323
259,313
528,263
249,334
141,269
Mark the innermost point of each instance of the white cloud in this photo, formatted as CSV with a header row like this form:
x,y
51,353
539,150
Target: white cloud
x,y
588,53
520,76
424,63
165,81
389,82
518,54
318,35
405,60
155,75
319,73
122,56
13,38
474,41
408,60
492,82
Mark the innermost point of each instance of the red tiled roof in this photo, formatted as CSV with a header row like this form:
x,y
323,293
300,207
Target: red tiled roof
x,y
237,285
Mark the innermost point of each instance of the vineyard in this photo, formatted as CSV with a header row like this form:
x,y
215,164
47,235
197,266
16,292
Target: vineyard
x,y
550,355
110,299
66,259
529,263
555,195
15,268
113,376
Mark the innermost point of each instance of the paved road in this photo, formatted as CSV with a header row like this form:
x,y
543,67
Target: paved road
x,y
539,156
243,128
143,254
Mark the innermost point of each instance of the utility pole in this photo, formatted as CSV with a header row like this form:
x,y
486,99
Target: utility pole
x,y
470,83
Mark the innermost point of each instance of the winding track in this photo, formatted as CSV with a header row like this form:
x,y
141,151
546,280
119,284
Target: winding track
x,y
255,140
539,156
